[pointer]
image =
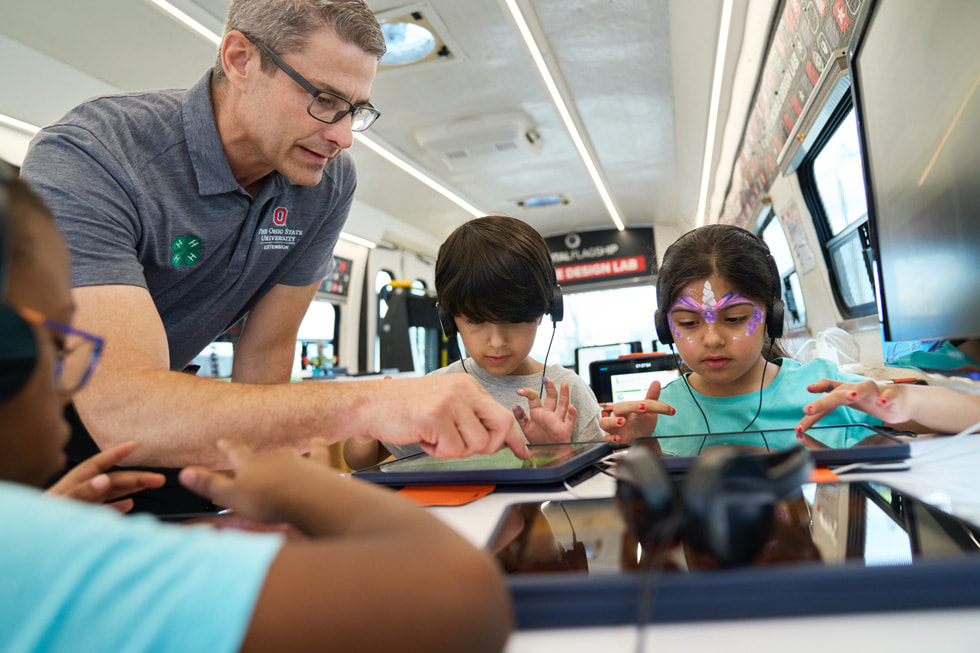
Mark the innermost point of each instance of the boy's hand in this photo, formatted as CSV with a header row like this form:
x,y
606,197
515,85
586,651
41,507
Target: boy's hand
x,y
635,419
549,421
89,482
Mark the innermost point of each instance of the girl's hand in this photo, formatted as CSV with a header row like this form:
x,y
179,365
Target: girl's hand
x,y
888,402
256,486
549,421
635,419
89,482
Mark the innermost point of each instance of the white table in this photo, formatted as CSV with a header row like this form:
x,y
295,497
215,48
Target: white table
x,y
942,471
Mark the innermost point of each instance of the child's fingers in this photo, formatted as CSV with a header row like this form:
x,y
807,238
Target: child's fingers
x,y
206,483
653,392
626,408
319,451
238,454
521,416
92,467
533,399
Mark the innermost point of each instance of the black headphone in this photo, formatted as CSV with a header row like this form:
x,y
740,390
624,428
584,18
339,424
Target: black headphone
x,y
556,309
722,507
774,312
18,348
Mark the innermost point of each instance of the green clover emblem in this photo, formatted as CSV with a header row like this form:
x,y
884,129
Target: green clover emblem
x,y
187,251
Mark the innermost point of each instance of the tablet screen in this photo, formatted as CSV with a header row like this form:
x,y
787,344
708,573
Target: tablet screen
x,y
548,462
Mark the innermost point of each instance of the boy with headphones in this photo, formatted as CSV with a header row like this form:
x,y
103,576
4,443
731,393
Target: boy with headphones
x,y
84,578
495,282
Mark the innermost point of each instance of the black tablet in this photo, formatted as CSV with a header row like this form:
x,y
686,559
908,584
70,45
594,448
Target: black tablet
x,y
549,464
881,446
846,548
628,378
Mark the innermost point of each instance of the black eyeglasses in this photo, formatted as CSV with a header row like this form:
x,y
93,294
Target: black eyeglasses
x,y
77,356
326,106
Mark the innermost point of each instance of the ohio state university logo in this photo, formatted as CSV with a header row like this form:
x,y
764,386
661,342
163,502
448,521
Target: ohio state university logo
x,y
279,217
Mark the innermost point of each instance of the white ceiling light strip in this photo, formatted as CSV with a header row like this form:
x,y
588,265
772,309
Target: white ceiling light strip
x,y
407,167
188,21
357,240
709,144
19,124
563,111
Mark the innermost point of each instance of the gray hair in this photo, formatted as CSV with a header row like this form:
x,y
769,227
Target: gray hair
x,y
284,25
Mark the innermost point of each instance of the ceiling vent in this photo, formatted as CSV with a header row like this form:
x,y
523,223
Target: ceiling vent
x,y
502,136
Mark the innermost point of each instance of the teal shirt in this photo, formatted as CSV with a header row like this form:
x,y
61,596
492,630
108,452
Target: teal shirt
x,y
944,357
77,577
782,407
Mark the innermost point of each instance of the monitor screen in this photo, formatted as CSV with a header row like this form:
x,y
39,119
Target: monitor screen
x,y
585,355
915,89
629,378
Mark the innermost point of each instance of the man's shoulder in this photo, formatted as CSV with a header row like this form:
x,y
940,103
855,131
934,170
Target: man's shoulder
x,y
124,126
134,108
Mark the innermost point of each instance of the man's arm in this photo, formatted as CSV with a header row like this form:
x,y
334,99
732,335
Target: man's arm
x,y
176,418
264,353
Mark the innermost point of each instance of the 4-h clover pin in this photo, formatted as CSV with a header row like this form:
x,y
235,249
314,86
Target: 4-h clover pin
x,y
187,251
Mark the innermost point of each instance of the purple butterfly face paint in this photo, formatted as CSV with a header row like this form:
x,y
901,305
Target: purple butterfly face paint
x,y
709,308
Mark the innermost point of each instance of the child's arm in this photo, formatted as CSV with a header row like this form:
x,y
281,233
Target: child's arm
x,y
549,421
365,546
89,481
924,409
363,452
636,419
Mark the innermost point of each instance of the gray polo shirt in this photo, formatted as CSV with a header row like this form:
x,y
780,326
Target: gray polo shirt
x,y
142,192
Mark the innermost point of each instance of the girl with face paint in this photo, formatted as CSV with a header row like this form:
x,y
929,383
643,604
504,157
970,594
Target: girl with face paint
x,y
716,290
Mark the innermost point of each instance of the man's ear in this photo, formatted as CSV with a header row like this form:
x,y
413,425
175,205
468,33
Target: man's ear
x,y
236,52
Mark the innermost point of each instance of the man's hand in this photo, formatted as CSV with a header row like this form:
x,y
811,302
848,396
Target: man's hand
x,y
449,415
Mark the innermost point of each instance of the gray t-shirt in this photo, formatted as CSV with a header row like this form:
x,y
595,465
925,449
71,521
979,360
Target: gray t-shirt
x,y
143,193
504,390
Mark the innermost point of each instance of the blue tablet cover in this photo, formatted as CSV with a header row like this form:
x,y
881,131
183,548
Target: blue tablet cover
x,y
549,464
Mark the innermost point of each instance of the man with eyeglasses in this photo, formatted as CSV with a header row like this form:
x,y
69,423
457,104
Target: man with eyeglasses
x,y
188,210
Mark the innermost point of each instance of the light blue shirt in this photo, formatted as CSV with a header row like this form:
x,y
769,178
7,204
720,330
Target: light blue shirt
x,y
782,408
75,577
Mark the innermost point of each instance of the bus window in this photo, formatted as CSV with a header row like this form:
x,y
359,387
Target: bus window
x,y
775,237
317,338
381,280
833,185
598,317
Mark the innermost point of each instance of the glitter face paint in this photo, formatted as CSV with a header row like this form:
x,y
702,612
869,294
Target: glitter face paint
x,y
709,308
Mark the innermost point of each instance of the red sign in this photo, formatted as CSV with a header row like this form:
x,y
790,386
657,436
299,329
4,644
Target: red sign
x,y
608,268
840,15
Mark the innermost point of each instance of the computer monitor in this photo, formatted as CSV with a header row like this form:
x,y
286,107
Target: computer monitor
x,y
916,91
585,355
626,379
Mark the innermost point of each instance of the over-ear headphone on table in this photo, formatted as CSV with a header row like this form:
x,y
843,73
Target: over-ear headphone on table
x,y
722,507
556,309
18,348
774,312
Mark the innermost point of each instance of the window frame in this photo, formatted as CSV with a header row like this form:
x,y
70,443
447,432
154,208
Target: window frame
x,y
858,230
